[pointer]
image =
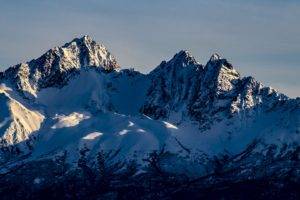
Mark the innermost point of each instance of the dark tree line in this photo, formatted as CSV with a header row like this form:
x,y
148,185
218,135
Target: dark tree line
x,y
107,177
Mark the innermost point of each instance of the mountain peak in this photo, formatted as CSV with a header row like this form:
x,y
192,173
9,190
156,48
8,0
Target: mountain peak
x,y
183,57
90,53
215,57
183,60
184,53
217,62
55,66
84,40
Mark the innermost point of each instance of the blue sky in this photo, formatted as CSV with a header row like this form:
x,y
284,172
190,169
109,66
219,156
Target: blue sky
x,y
260,38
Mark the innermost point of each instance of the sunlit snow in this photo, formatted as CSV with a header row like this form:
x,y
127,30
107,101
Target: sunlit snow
x,y
141,130
92,136
130,124
169,125
123,132
70,120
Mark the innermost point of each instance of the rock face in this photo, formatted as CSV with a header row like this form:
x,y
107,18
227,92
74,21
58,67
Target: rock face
x,y
75,97
174,84
56,66
183,88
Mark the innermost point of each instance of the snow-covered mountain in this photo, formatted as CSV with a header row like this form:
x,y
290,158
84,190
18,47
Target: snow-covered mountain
x,y
76,97
56,66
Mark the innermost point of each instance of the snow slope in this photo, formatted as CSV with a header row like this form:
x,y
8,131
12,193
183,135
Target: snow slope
x,y
17,121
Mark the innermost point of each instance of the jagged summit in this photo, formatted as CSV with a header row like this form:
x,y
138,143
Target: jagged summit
x,y
80,52
215,57
183,60
216,63
56,66
204,93
85,51
86,39
183,54
183,57
90,53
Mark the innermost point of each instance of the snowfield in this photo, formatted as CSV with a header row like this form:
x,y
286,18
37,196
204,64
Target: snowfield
x,y
71,120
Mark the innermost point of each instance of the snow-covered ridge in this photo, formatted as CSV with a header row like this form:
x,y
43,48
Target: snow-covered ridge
x,y
73,97
184,89
56,66
17,120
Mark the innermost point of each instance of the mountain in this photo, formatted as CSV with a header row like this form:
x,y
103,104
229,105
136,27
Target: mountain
x,y
183,88
56,66
75,99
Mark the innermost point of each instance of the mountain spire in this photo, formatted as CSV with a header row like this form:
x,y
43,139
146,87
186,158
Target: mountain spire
x,y
183,56
215,57
55,66
90,53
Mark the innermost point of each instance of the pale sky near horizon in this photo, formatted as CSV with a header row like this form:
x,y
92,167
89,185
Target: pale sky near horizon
x,y
260,38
